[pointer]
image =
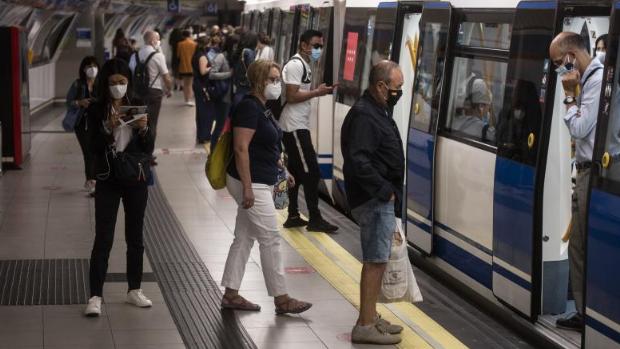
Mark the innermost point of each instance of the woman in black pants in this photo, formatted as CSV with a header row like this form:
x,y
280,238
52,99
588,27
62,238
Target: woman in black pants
x,y
108,137
80,94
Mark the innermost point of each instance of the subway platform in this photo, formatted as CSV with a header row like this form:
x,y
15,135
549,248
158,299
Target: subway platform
x,y
47,231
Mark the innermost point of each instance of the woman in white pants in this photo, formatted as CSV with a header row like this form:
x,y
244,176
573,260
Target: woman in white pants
x,y
257,140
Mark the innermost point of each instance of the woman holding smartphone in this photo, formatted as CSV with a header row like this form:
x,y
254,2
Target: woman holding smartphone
x,y
107,138
79,96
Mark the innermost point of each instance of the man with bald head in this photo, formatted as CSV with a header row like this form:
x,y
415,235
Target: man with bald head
x,y
374,168
160,82
578,72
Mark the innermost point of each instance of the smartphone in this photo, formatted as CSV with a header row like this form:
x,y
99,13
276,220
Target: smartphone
x,y
131,113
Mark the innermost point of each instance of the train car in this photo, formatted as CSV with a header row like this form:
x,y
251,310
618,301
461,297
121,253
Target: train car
x,y
489,206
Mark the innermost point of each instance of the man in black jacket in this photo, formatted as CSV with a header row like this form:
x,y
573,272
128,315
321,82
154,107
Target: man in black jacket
x,y
374,165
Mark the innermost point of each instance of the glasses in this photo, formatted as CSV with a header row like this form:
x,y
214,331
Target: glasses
x,y
317,46
274,80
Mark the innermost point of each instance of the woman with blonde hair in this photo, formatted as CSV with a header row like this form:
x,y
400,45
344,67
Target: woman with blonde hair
x,y
257,140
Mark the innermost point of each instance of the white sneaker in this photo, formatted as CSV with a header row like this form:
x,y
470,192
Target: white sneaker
x,y
94,307
137,298
190,104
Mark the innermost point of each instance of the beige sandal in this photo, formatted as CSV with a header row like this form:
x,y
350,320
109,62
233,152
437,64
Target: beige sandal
x,y
292,306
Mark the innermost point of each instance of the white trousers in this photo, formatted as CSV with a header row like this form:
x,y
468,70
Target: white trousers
x,y
260,223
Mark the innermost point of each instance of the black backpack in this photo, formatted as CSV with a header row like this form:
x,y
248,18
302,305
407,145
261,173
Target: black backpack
x,y
141,83
276,105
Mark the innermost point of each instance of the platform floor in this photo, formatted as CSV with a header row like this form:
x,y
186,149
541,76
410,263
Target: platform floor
x,y
45,214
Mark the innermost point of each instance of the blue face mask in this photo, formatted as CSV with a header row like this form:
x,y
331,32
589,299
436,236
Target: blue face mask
x,y
316,54
566,68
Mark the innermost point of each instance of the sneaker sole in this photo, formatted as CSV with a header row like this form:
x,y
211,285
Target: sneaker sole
x,y
322,230
576,329
294,225
92,314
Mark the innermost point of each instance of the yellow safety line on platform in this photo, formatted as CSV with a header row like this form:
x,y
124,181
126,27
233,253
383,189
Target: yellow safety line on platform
x,y
343,272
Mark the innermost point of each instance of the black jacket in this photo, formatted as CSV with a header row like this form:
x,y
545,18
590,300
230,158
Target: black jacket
x,y
99,140
374,161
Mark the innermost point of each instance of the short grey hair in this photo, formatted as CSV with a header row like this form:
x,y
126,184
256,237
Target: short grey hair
x,y
382,72
148,36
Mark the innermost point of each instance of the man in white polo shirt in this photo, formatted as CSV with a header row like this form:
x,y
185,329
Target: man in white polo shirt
x,y
160,82
295,122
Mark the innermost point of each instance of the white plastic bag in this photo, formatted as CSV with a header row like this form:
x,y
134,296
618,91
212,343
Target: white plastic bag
x,y
399,283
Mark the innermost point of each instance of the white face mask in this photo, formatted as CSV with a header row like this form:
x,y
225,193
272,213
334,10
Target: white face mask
x,y
273,91
91,72
118,91
157,45
601,56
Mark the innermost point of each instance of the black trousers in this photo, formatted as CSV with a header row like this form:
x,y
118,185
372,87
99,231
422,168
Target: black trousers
x,y
107,200
304,166
89,161
153,104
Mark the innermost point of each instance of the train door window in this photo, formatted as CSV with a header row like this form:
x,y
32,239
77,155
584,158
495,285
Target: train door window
x,y
321,71
355,62
286,35
430,70
478,81
275,29
384,33
264,24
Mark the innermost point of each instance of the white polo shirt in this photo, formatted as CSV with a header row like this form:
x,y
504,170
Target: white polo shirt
x,y
157,65
296,116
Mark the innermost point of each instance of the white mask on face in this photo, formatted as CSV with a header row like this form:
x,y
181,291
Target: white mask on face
x,y
91,72
157,45
273,91
118,91
601,56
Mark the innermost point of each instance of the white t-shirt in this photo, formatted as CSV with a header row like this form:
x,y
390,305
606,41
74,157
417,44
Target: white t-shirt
x,y
296,116
266,53
157,65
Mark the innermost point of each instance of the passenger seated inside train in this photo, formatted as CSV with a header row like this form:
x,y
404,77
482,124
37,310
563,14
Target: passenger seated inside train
x,y
477,119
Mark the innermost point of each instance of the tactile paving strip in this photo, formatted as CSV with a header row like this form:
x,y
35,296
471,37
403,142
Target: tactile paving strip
x,y
191,294
49,281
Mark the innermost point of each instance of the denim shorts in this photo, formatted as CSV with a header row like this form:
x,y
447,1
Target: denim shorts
x,y
377,224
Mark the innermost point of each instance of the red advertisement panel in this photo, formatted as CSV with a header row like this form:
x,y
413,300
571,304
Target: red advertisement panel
x,y
350,56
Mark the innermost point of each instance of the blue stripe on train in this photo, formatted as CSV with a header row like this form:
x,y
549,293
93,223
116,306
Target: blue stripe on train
x,y
603,255
603,329
327,171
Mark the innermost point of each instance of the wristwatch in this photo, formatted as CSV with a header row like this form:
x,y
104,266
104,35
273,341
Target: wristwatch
x,y
569,100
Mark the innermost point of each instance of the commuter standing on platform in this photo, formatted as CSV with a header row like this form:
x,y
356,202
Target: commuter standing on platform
x,y
244,55
576,68
263,48
295,121
374,169
80,95
204,117
220,78
105,133
160,80
251,176
185,52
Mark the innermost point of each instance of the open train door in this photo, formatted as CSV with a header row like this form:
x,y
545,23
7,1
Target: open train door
x,y
602,291
426,106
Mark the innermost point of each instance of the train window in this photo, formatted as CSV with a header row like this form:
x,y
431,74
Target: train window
x,y
321,71
476,97
275,29
485,35
431,63
286,35
384,33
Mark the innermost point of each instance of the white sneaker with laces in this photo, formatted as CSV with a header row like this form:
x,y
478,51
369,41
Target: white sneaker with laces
x,y
94,307
190,104
137,298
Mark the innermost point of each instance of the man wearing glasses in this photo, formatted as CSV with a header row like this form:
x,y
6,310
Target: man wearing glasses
x,y
295,122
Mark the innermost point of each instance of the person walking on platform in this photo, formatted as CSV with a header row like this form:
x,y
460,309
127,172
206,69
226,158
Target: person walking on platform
x,y
220,78
251,176
80,95
242,58
160,81
108,138
185,52
374,168
295,121
576,68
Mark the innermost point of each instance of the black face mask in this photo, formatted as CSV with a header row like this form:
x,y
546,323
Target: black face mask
x,y
393,97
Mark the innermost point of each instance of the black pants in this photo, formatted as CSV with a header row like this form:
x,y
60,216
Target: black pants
x,y
220,112
107,200
153,104
89,161
304,166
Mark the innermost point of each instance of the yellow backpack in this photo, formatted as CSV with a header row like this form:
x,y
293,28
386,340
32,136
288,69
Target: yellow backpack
x,y
219,159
